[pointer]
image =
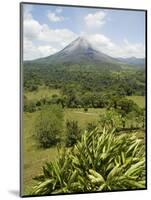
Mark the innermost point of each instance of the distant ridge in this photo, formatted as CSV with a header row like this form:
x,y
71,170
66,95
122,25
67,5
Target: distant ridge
x,y
133,61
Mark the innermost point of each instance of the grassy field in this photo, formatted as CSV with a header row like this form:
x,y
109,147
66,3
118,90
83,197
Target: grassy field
x,y
92,115
42,92
139,100
35,158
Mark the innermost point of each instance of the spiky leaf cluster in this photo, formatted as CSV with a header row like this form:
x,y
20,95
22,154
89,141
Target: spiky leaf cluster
x,y
100,161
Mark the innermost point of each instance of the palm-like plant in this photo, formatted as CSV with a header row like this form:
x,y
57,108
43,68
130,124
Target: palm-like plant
x,y
100,161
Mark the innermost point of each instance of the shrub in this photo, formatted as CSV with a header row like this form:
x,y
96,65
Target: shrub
x,y
72,132
39,103
33,88
85,109
100,161
136,118
125,106
29,106
110,119
49,126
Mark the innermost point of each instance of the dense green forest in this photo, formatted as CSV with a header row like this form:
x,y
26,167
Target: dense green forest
x,y
80,88
122,82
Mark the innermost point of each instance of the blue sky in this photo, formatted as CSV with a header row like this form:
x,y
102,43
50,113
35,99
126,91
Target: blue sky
x,y
48,29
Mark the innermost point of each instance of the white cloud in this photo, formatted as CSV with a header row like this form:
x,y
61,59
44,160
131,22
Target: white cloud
x,y
58,36
125,49
45,50
95,20
40,40
104,43
32,28
33,51
53,17
128,49
101,41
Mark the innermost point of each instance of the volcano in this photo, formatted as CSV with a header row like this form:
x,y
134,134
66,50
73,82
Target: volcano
x,y
80,51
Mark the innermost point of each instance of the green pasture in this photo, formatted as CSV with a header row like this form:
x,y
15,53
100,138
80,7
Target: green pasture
x,y
42,92
139,100
34,157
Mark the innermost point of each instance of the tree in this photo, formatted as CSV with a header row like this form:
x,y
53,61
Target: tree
x,y
87,99
136,118
110,119
73,132
124,106
48,126
29,105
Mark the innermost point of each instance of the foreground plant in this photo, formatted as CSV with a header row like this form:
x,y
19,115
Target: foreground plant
x,y
100,161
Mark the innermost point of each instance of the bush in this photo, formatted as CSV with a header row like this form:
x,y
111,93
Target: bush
x,y
100,161
136,118
49,126
72,132
85,109
30,87
123,113
38,103
29,106
33,88
125,106
111,119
